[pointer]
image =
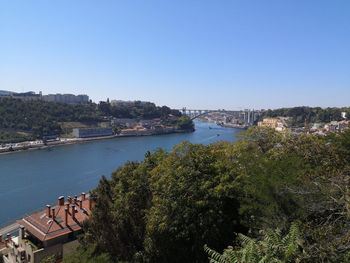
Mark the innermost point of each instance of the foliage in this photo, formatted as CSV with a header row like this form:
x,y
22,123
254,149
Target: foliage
x,y
14,137
184,123
87,256
165,208
273,247
136,109
298,115
41,118
49,259
122,203
37,119
189,207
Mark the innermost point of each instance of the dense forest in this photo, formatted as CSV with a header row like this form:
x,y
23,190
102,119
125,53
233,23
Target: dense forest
x,y
299,115
269,197
25,120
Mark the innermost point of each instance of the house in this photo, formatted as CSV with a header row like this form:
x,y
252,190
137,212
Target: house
x,y
92,132
127,122
52,231
336,126
279,124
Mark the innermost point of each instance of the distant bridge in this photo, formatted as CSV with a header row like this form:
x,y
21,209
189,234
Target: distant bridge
x,y
246,116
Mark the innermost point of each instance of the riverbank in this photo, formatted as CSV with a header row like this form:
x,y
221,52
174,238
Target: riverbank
x,y
36,177
39,145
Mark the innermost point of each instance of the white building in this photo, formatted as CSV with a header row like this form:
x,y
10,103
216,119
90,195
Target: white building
x,y
343,115
66,98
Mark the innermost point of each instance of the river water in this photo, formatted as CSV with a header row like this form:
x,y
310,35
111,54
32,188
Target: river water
x,y
30,180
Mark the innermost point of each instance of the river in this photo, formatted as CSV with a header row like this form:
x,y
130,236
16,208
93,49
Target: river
x,y
31,179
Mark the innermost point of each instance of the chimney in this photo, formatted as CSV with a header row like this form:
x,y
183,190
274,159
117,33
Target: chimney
x,y
81,204
66,216
90,202
69,198
21,233
83,196
48,210
73,211
61,201
53,213
8,239
67,206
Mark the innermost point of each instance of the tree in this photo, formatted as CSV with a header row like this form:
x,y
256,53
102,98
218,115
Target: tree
x,y
273,247
49,259
87,256
189,205
117,226
28,120
165,208
185,123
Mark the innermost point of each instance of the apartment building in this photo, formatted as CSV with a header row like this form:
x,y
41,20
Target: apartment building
x,y
275,123
67,98
92,132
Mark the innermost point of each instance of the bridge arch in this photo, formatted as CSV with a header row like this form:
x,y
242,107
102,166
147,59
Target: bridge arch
x,y
207,112
247,116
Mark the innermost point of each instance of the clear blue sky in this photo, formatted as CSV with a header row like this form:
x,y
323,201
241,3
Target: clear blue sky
x,y
193,53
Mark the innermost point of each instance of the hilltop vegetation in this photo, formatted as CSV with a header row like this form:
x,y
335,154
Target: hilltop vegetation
x,y
27,120
299,115
273,197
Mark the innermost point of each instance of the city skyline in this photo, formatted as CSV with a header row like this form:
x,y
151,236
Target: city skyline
x,y
185,54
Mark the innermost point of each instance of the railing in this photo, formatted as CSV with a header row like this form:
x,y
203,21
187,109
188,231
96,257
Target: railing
x,y
10,223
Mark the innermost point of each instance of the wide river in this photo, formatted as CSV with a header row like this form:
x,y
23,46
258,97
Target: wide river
x,y
29,180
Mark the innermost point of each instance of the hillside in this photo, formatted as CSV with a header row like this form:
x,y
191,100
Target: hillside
x,y
29,120
299,115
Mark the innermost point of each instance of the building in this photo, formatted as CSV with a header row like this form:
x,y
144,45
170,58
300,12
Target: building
x,y
5,93
275,123
335,126
127,103
66,98
92,132
52,231
60,98
127,122
343,115
25,96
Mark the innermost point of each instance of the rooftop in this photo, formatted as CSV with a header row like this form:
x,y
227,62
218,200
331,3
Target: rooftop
x,y
60,220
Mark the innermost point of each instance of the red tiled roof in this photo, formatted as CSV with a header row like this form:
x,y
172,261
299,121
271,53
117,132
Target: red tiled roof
x,y
46,228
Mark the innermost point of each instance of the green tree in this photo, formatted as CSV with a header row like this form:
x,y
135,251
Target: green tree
x,y
272,247
189,205
49,259
185,123
87,255
165,208
117,226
